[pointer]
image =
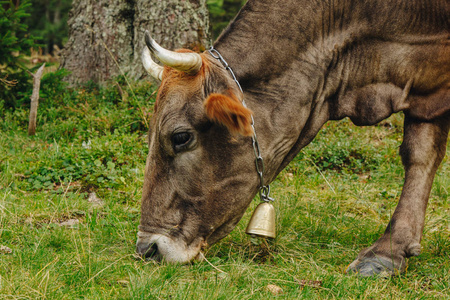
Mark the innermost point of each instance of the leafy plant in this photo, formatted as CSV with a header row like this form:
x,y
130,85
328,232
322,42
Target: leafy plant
x,y
106,163
53,85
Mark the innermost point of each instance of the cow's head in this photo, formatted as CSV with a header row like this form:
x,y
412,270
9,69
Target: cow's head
x,y
200,173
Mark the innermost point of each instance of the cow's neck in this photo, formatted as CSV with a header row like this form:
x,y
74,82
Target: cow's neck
x,y
301,63
264,39
265,51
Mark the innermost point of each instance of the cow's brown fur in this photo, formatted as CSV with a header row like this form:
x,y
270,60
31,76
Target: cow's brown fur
x,y
300,64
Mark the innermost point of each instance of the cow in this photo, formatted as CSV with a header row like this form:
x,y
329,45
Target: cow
x,y
299,63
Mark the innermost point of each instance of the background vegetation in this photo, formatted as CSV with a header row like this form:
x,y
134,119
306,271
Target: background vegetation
x,y
221,12
48,22
70,200
15,43
30,30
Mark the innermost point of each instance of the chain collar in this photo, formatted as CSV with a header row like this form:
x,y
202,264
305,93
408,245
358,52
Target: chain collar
x,y
264,190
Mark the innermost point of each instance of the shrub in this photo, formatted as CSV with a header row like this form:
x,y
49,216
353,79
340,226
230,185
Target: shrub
x,y
14,43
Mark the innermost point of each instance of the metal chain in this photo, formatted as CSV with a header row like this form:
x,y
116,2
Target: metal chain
x,y
264,190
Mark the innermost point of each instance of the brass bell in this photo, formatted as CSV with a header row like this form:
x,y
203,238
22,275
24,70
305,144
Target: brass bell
x,y
262,222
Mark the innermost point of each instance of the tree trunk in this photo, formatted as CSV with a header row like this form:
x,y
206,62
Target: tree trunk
x,y
173,24
106,36
99,35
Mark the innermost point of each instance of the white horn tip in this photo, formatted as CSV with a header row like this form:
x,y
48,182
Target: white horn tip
x,y
186,62
150,66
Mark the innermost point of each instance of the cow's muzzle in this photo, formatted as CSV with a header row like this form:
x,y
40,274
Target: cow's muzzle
x,y
159,247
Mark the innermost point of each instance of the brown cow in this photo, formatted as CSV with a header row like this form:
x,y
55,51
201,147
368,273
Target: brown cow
x,y
300,64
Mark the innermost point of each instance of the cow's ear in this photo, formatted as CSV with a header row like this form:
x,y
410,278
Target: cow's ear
x,y
229,111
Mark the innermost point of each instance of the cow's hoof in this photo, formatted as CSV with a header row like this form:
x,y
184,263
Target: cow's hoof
x,y
374,266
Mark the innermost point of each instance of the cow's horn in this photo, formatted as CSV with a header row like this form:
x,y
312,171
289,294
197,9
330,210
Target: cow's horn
x,y
186,62
153,68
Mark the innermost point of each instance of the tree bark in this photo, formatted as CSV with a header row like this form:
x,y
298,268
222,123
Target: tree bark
x,y
106,36
173,24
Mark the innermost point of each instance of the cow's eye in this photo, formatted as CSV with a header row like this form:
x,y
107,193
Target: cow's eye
x,y
181,140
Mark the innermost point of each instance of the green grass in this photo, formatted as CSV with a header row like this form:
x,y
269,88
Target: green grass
x,y
333,200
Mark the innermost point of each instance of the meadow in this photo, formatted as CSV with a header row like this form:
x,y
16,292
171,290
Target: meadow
x,y
70,207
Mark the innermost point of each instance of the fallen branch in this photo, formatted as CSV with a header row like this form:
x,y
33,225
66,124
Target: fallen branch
x,y
35,99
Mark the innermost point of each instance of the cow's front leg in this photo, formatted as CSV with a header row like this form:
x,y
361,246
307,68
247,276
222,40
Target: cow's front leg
x,y
422,151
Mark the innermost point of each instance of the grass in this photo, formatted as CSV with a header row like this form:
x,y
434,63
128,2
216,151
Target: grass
x,y
334,199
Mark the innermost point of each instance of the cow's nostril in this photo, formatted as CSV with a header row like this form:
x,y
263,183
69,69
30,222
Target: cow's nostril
x,y
147,250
